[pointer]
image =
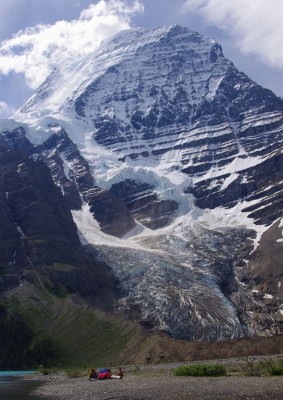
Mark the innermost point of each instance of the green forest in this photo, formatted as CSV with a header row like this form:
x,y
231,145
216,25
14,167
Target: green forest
x,y
19,348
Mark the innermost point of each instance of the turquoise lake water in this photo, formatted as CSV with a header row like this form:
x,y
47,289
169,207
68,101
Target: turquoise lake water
x,y
13,388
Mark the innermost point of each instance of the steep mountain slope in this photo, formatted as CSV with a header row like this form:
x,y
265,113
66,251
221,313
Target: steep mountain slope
x,y
170,162
168,97
38,237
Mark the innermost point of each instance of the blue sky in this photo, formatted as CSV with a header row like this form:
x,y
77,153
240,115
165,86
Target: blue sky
x,y
35,35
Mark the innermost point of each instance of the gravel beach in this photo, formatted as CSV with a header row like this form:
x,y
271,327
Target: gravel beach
x,y
163,387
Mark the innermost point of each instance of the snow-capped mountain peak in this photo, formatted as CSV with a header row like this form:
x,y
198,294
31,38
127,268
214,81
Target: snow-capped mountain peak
x,y
157,139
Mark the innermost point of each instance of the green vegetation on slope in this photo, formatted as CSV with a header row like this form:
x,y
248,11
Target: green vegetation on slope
x,y
14,339
201,370
18,349
91,338
59,331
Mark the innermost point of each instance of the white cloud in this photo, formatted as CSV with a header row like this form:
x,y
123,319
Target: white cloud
x,y
255,25
5,110
36,50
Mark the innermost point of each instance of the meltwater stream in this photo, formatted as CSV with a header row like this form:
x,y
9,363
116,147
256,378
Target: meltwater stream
x,y
13,388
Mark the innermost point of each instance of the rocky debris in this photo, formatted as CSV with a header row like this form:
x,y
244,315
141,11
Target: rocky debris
x,y
263,279
186,288
162,386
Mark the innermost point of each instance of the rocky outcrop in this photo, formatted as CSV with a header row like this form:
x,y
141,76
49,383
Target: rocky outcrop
x,y
111,212
264,279
37,226
71,172
258,187
144,204
38,237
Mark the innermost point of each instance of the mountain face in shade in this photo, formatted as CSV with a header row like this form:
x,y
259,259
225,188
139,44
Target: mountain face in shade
x,y
170,162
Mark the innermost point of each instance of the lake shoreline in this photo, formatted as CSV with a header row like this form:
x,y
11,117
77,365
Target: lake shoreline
x,y
163,386
18,385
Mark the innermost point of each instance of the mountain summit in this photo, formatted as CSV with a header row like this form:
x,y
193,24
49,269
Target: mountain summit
x,y
170,162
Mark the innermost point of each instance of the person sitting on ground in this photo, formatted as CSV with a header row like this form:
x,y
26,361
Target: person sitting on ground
x,y
119,374
92,374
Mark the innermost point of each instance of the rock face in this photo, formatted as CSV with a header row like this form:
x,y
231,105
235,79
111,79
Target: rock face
x,y
29,199
157,139
258,187
38,236
169,96
144,204
71,172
